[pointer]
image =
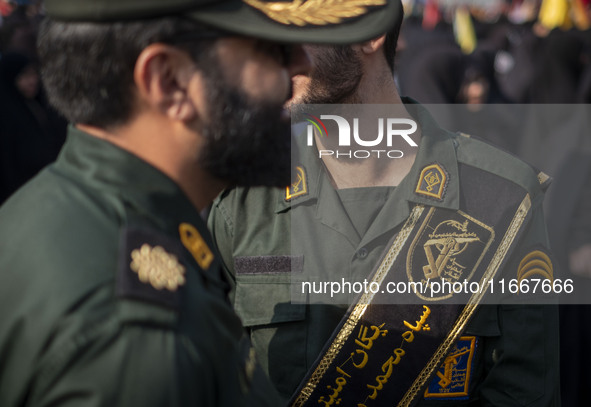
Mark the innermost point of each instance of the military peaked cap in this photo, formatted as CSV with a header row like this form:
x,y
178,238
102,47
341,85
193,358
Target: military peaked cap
x,y
303,21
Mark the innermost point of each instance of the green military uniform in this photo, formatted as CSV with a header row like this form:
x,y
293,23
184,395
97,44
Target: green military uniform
x,y
516,358
80,325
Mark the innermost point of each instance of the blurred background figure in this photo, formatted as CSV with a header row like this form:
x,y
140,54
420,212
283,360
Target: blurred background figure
x,y
31,133
19,25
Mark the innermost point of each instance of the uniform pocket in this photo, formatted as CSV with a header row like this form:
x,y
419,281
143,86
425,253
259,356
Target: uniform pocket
x,y
263,290
278,328
513,354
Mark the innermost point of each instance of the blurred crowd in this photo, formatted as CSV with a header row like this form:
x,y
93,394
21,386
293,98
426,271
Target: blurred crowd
x,y
31,133
496,51
474,53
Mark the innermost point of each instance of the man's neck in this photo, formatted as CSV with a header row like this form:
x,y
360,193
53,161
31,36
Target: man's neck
x,y
170,150
374,171
381,165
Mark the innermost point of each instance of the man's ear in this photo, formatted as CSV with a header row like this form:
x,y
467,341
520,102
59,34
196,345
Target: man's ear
x,y
162,76
371,46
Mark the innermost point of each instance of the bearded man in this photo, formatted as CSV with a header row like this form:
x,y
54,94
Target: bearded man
x,y
110,291
337,223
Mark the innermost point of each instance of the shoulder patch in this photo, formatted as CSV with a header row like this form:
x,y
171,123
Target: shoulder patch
x,y
299,187
433,181
196,245
150,267
544,180
535,263
487,157
452,379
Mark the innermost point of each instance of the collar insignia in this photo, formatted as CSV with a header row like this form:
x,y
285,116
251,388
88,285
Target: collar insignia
x,y
155,266
299,187
313,12
544,180
433,182
196,245
452,380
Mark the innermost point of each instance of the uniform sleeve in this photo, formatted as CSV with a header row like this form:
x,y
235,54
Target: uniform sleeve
x,y
521,361
221,226
131,366
142,365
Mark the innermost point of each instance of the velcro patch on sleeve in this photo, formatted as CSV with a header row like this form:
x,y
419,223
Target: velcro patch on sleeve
x,y
452,379
268,264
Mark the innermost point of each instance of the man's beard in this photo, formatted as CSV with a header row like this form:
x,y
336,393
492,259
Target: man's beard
x,y
334,79
246,142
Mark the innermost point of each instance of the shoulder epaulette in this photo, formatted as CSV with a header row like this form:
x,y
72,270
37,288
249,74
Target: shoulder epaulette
x,y
151,267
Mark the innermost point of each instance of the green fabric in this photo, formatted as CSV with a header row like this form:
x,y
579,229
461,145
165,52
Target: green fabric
x,y
517,356
67,337
362,205
316,21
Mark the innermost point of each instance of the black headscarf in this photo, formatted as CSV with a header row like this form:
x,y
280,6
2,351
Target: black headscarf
x,y
30,132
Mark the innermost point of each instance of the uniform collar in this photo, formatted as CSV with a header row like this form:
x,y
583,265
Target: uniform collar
x,y
437,149
115,171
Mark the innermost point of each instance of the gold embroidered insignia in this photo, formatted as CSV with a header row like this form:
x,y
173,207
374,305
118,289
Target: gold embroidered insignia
x,y
155,266
299,187
535,263
432,181
453,377
447,244
195,244
313,12
250,364
543,178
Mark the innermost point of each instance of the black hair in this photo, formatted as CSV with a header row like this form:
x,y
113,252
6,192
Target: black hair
x,y
87,68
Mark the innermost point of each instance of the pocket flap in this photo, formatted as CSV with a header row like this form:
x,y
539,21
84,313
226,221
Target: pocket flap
x,y
263,290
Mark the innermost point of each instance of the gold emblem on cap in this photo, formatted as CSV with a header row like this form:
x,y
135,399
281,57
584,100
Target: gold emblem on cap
x,y
157,267
313,12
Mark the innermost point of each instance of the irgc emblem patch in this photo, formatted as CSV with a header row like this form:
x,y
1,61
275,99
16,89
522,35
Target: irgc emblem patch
x,y
448,246
452,379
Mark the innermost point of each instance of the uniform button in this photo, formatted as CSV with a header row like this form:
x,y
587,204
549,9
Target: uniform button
x,y
495,356
362,253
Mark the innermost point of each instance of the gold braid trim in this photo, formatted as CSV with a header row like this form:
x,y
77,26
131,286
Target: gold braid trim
x,y
360,308
314,12
470,308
